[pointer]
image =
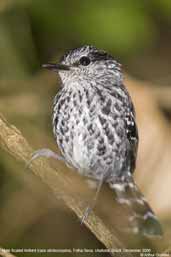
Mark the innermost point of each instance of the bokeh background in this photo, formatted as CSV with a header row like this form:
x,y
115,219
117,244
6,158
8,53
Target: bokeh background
x,y
138,34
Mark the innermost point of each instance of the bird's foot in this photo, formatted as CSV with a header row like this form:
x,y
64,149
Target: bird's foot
x,y
87,212
89,209
44,152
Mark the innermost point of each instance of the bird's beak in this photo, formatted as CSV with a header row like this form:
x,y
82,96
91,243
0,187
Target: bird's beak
x,y
55,67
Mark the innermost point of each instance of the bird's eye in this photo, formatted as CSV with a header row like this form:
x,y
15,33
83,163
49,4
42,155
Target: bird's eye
x,y
84,61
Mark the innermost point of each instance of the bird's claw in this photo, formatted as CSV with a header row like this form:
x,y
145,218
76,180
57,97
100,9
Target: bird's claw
x,y
86,214
44,152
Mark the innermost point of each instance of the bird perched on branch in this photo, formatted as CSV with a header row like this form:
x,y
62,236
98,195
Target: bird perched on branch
x,y
95,129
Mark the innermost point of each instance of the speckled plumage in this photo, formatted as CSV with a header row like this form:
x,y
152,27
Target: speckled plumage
x,y
95,129
94,120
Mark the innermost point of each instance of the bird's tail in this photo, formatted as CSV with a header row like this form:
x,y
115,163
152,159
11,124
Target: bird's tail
x,y
142,219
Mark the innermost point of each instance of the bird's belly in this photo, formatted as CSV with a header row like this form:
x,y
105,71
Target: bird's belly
x,y
90,140
89,151
78,150
81,154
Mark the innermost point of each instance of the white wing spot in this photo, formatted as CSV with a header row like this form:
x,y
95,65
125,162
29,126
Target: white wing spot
x,y
131,185
140,201
119,187
123,201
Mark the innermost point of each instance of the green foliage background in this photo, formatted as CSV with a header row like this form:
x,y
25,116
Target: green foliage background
x,y
33,31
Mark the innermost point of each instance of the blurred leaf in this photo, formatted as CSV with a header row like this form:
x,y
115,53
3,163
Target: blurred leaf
x,y
16,46
163,8
122,26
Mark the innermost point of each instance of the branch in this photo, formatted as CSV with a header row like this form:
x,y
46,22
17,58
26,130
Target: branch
x,y
59,181
5,253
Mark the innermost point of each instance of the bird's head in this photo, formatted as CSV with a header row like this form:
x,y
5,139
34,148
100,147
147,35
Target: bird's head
x,y
87,63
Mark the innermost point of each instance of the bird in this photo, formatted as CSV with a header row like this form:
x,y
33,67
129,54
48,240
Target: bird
x,y
94,125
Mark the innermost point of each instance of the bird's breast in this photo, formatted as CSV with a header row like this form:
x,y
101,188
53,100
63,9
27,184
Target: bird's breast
x,y
89,129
